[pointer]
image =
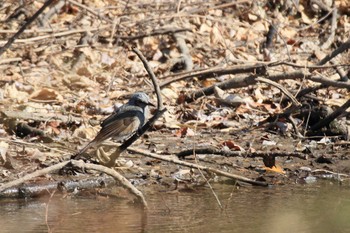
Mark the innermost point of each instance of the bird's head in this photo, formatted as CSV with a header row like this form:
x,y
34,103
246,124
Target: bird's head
x,y
140,99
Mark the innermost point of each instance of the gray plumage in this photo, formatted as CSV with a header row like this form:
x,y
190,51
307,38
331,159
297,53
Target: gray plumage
x,y
124,122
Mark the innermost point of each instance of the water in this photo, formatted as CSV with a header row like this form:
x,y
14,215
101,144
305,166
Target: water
x,y
300,208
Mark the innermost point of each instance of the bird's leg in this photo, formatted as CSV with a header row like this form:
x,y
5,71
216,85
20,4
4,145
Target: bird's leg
x,y
102,155
113,157
109,160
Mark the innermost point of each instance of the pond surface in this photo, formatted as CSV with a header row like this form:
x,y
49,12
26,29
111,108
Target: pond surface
x,y
300,208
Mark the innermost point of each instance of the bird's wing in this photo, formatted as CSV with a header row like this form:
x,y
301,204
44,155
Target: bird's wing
x,y
113,115
120,126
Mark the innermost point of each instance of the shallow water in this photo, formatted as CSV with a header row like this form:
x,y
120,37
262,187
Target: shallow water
x,y
301,208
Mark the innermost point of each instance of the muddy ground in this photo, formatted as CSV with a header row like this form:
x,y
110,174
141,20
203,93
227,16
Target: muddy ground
x,y
256,89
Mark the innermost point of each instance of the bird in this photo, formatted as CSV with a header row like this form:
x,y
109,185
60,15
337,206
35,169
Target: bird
x,y
123,122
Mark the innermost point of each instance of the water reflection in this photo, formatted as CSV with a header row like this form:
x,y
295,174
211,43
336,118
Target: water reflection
x,y
310,208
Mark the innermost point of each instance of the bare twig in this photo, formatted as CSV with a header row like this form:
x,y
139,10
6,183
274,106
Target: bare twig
x,y
214,72
329,82
54,10
27,23
331,117
330,39
229,153
238,69
126,183
317,22
245,81
192,165
69,185
343,47
9,60
185,58
88,9
59,34
79,56
162,31
312,67
82,165
33,175
282,89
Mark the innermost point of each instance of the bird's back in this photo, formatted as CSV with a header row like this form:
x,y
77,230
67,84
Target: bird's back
x,y
125,111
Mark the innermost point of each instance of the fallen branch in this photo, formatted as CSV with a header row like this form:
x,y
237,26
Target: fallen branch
x,y
196,166
214,72
331,117
50,13
88,9
82,165
330,39
343,47
30,176
157,32
244,81
58,34
329,82
125,182
229,153
281,88
185,57
38,189
9,60
25,25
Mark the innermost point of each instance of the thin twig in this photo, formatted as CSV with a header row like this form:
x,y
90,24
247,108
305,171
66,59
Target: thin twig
x,y
59,34
192,165
125,182
245,81
281,88
33,175
343,47
88,9
9,60
331,117
229,153
214,72
330,39
27,23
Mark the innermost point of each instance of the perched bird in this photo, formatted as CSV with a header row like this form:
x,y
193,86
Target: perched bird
x,y
124,122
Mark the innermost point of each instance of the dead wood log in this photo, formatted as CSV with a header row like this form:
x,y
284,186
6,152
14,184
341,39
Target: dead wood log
x,y
39,189
229,153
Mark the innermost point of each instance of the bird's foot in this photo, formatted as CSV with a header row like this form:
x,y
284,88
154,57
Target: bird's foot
x,y
108,160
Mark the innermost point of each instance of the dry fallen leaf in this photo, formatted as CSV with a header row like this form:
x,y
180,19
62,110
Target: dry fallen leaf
x,y
46,94
233,146
275,168
183,132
